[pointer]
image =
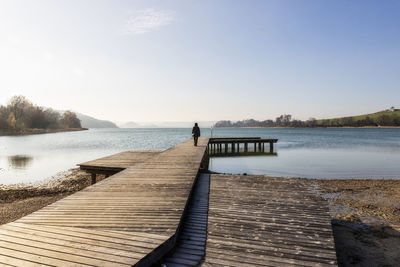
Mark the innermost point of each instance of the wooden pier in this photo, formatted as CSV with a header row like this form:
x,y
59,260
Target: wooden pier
x,y
144,213
234,145
113,164
260,221
130,218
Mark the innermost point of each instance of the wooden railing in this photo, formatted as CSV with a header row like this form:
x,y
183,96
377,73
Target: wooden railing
x,y
233,145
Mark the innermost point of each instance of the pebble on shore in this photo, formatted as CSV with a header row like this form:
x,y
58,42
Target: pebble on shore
x,y
17,201
365,220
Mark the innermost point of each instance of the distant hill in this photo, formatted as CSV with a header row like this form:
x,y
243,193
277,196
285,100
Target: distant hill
x,y
389,117
168,124
21,116
184,124
90,122
130,124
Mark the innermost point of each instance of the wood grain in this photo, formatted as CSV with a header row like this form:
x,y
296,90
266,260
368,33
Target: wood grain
x,y
260,221
119,221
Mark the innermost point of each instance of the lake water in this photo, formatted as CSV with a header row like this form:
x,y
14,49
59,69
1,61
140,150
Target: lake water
x,y
311,153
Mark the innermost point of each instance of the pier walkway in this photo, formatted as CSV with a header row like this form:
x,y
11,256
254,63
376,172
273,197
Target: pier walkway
x,y
113,164
259,221
129,218
151,212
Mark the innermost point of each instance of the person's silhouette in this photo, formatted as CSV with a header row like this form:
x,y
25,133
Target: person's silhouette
x,y
195,133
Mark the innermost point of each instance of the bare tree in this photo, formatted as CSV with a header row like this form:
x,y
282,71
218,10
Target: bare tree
x,y
70,120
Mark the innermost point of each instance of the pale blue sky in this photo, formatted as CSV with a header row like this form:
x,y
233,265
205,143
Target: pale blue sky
x,y
202,60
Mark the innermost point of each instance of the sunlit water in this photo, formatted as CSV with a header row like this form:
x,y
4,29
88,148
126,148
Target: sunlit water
x,y
312,153
320,153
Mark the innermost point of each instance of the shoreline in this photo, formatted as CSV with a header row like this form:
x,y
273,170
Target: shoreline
x,y
365,220
365,213
19,200
330,127
42,131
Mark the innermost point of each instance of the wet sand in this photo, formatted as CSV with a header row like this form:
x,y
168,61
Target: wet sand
x,y
365,213
365,220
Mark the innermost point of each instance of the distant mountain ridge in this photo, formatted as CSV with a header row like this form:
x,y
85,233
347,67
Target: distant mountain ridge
x,y
129,124
167,124
90,122
132,124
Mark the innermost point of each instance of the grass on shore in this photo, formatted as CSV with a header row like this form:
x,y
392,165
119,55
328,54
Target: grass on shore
x,y
372,116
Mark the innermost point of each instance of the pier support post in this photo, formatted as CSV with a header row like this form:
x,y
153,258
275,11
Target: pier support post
x,y
93,178
271,147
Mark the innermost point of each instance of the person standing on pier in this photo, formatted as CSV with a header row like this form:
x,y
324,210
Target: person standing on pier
x,y
195,133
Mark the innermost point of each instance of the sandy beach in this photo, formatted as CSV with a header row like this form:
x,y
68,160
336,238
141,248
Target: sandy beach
x,y
365,220
365,213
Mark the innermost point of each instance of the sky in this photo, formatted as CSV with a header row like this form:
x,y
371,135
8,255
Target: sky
x,y
146,61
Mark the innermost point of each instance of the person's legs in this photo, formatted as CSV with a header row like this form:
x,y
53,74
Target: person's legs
x,y
195,140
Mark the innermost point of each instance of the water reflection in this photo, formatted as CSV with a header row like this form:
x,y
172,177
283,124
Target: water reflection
x,y
319,153
315,163
20,162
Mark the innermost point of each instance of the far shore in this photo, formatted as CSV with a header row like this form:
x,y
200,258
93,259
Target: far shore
x,y
365,213
335,127
40,131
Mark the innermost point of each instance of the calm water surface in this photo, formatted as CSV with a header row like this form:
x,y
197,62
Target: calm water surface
x,y
312,153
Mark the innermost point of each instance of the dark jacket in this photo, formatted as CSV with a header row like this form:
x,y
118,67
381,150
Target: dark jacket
x,y
196,131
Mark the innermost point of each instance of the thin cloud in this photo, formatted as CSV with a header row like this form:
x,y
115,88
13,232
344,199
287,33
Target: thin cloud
x,y
147,20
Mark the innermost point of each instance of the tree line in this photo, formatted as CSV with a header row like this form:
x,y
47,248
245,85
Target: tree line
x,y
20,115
287,120
381,120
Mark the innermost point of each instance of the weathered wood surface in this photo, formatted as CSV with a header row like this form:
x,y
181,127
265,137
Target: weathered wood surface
x,y
241,140
190,246
120,161
127,218
229,146
258,221
231,138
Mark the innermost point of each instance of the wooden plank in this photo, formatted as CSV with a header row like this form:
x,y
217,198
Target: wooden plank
x,y
121,160
242,140
130,218
78,243
260,221
12,261
191,238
